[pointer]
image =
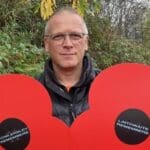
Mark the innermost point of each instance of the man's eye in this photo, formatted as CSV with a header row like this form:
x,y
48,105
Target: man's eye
x,y
58,37
75,36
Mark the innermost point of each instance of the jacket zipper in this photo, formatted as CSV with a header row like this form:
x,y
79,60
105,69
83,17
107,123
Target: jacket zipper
x,y
72,112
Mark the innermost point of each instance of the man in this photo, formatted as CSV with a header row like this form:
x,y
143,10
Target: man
x,y
68,73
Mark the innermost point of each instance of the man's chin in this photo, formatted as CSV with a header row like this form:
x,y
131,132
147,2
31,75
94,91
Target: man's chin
x,y
69,65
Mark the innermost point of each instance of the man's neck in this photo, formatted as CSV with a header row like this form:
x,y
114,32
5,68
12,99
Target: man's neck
x,y
69,76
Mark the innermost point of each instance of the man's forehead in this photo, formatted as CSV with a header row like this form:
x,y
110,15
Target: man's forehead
x,y
64,19
64,15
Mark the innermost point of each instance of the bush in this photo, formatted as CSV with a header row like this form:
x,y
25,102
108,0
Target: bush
x,y
17,55
107,48
22,16
123,51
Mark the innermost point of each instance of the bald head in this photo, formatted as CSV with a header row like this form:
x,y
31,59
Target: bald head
x,y
62,12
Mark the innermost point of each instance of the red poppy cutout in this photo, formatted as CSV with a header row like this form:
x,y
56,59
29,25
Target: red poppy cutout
x,y
25,116
119,113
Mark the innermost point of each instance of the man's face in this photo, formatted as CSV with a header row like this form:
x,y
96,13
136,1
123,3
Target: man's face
x,y
67,41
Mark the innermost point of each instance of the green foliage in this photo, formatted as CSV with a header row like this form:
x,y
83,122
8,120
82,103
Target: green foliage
x,y
17,55
146,31
7,11
20,36
122,51
108,49
100,33
22,16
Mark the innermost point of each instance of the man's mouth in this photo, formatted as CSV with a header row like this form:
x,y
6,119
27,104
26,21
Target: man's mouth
x,y
67,54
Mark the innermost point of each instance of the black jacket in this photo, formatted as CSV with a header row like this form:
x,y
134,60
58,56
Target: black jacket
x,y
68,105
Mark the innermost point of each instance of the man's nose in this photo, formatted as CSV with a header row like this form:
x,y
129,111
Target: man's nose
x,y
67,41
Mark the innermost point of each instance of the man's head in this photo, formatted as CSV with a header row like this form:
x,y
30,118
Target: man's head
x,y
66,38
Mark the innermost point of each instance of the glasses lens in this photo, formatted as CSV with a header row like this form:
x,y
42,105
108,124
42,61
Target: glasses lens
x,y
75,36
58,37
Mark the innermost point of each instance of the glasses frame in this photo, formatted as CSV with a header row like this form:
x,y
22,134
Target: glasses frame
x,y
73,36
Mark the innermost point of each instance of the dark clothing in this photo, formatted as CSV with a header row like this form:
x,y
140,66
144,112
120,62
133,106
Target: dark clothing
x,y
68,105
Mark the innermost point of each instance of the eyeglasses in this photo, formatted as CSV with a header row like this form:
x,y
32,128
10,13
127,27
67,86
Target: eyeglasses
x,y
60,37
